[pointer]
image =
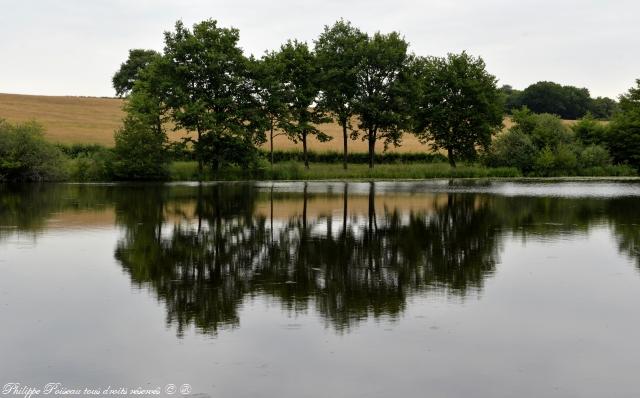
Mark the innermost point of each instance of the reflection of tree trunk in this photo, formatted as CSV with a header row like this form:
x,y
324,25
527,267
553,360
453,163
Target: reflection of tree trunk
x,y
160,219
370,230
344,208
199,208
304,208
271,215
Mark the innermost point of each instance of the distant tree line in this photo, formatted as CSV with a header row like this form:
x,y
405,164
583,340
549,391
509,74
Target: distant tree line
x,y
568,102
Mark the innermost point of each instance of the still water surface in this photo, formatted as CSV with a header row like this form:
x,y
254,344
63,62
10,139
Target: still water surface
x,y
324,289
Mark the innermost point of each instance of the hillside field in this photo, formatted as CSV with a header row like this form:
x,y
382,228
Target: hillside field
x,y
89,120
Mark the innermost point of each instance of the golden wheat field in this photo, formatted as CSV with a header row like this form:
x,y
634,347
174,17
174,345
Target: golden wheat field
x,y
91,120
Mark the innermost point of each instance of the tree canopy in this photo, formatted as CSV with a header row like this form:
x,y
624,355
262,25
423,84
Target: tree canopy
x,y
457,105
339,54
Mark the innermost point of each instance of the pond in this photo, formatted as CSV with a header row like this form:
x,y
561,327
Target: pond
x,y
292,289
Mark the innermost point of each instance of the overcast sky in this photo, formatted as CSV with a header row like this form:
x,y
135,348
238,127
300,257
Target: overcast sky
x,y
73,47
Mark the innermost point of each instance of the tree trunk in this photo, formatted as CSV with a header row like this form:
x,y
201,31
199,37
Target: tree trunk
x,y
199,154
271,144
304,149
452,160
344,138
372,148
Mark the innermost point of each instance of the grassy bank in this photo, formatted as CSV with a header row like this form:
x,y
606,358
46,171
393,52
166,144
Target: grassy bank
x,y
181,171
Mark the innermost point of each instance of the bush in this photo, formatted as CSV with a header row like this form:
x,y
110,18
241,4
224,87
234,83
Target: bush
x,y
77,150
594,156
92,166
566,158
139,153
545,162
512,149
590,131
26,156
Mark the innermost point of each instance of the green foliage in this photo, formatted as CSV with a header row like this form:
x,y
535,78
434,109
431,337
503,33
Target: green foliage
x,y
540,144
92,166
125,78
301,77
26,156
359,157
603,107
589,131
268,80
568,102
624,134
381,99
338,51
457,104
544,129
210,91
76,150
513,149
293,170
139,153
512,98
594,156
545,162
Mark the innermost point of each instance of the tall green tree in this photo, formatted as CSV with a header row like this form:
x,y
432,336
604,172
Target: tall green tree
x,y
457,105
268,76
210,92
380,100
624,134
338,50
146,101
125,78
301,77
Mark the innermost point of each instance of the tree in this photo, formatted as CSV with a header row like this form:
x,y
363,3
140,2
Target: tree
x,y
268,75
300,77
512,98
381,97
339,57
210,91
124,79
603,107
140,152
568,102
458,106
624,134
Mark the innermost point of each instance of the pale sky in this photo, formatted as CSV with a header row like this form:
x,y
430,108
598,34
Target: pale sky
x,y
73,47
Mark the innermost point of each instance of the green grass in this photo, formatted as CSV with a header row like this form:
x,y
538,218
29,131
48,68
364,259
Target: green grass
x,y
185,170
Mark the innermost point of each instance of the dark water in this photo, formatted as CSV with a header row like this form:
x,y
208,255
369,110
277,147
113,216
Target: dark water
x,y
324,289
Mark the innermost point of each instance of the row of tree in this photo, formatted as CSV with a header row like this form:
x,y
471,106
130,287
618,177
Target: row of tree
x,y
568,102
369,84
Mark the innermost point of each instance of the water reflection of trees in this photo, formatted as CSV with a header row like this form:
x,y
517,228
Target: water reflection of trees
x,y
349,268
204,251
